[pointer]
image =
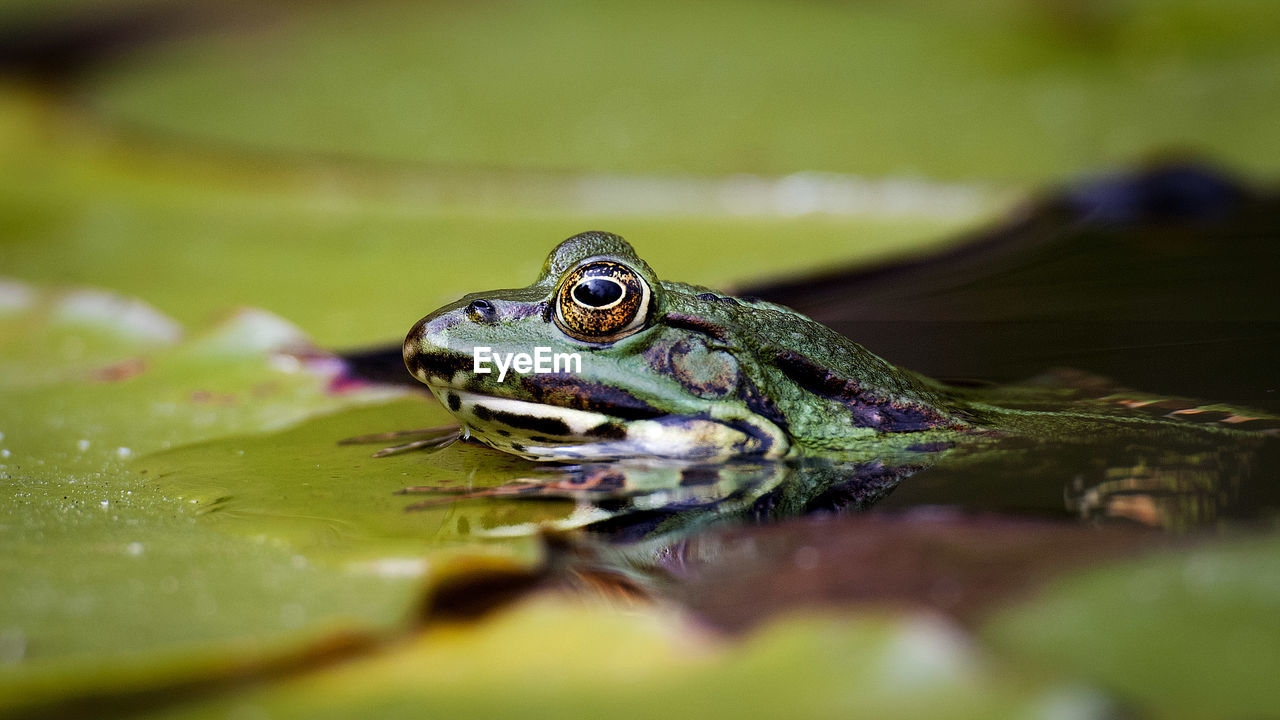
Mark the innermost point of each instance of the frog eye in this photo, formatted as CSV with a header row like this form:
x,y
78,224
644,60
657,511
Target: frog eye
x,y
601,301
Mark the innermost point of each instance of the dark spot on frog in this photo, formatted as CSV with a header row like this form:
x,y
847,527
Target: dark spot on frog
x,y
754,441
569,392
867,409
696,324
546,426
608,431
611,505
482,412
464,525
504,433
760,403
453,402
757,440
517,447
690,477
438,364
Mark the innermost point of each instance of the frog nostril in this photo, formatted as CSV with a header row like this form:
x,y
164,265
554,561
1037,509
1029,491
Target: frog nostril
x,y
482,311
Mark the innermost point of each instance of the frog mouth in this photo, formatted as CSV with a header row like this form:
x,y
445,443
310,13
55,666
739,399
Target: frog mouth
x,y
539,431
532,421
562,417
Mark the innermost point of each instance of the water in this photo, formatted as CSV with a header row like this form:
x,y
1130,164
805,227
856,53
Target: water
x,y
1162,282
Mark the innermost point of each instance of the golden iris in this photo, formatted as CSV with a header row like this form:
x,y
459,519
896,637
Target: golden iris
x,y
601,301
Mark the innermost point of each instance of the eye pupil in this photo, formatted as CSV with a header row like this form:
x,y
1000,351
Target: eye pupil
x,y
597,292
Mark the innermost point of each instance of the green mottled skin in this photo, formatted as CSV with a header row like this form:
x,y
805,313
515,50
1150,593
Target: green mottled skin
x,y
739,363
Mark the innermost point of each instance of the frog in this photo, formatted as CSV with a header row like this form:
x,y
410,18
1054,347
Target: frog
x,y
673,370
667,369
674,383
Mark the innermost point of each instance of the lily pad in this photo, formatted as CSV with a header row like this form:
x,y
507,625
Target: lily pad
x,y
338,502
1187,634
556,658
111,575
1008,91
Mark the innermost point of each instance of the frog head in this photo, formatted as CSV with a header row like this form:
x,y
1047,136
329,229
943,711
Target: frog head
x,y
599,359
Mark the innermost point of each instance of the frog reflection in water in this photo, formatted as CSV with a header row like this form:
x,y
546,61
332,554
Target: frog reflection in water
x,y
690,398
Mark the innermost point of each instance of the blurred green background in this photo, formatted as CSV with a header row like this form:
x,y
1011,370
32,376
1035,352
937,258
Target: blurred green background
x,y
324,160
351,167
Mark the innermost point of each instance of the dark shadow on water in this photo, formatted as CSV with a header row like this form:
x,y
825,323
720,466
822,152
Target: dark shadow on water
x,y
1164,281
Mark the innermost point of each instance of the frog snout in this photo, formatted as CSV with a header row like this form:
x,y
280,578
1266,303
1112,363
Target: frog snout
x,y
454,329
431,333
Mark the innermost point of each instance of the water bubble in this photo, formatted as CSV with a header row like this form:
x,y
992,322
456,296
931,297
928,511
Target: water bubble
x,y
133,548
83,445
123,452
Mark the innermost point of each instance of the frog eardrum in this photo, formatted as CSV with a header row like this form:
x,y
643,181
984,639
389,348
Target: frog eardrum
x,y
601,301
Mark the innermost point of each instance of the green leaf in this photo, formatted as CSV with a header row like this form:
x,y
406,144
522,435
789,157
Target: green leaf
x,y
114,575
1184,634
559,658
1005,90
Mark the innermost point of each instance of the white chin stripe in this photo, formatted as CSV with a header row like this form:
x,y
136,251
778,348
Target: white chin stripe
x,y
483,413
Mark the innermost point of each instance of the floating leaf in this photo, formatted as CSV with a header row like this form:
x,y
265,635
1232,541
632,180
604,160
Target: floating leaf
x,y
555,658
1185,634
116,576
